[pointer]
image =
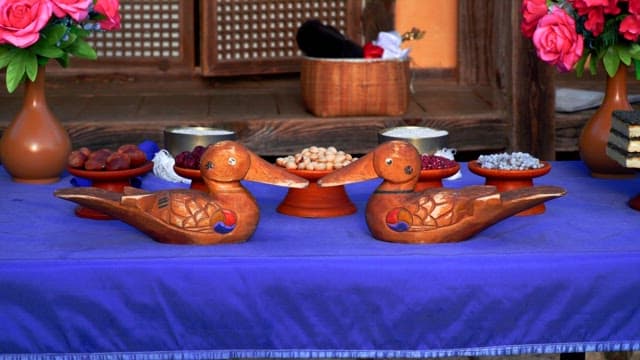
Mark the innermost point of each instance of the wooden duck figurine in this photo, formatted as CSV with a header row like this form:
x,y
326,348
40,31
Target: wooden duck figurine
x,y
227,214
398,214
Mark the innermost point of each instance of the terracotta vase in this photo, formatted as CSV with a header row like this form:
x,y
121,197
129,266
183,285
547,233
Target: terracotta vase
x,y
35,147
595,134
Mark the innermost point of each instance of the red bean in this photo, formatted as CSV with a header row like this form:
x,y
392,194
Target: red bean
x,y
430,162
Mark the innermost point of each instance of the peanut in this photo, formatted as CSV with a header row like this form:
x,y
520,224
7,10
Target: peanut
x,y
316,158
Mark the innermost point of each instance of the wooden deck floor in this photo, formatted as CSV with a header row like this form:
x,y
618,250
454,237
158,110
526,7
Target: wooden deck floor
x,y
267,114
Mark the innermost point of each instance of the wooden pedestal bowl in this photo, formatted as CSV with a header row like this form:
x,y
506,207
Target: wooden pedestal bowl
x,y
432,178
194,175
112,180
315,201
505,180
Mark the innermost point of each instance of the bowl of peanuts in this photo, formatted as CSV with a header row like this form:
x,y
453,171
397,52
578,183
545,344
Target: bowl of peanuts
x,y
312,163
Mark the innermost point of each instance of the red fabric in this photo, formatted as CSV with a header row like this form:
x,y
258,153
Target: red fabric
x,y
372,51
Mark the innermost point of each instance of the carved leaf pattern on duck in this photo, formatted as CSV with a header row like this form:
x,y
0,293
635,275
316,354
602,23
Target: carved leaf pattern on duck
x,y
186,211
431,210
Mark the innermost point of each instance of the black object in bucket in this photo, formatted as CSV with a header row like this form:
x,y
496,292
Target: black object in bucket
x,y
324,41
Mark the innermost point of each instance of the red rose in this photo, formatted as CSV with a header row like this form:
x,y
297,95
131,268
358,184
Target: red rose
x,y
595,11
595,20
532,11
556,40
630,27
634,7
111,10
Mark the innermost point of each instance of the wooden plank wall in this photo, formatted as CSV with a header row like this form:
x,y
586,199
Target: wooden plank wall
x,y
499,98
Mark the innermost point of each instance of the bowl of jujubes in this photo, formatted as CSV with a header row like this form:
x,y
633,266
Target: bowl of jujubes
x,y
313,163
187,165
510,171
107,169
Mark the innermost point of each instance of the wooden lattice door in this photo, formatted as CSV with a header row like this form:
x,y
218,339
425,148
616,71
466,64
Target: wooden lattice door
x,y
258,36
156,36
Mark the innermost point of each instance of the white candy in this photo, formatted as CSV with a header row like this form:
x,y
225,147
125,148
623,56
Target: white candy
x,y
513,161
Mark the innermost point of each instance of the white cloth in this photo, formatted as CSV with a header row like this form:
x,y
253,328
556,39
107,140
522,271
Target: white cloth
x,y
449,154
163,167
390,42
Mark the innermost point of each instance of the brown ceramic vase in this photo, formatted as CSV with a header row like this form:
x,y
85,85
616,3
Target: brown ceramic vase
x,y
35,147
595,134
506,180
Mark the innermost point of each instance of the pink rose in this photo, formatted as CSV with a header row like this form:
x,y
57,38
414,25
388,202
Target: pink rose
x,y
630,27
110,9
77,9
532,11
556,40
22,20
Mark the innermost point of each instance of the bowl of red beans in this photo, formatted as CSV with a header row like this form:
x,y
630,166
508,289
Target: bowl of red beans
x,y
434,168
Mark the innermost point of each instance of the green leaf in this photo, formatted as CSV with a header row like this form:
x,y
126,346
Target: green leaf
x,y
42,61
6,57
611,61
82,49
53,34
47,50
624,54
634,50
71,38
31,67
16,70
636,65
580,64
80,32
64,60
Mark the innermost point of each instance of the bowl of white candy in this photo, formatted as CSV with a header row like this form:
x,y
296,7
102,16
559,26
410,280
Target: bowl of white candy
x,y
426,140
510,171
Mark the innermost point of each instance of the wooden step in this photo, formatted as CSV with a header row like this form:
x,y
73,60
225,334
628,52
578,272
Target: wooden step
x,y
267,115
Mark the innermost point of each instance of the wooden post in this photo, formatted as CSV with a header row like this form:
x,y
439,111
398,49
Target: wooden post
x,y
492,52
532,96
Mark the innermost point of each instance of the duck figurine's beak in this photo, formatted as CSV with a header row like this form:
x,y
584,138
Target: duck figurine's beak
x,y
397,162
262,171
359,170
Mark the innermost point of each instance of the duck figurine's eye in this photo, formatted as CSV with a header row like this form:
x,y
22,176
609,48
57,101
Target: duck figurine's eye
x,y
388,161
232,161
209,165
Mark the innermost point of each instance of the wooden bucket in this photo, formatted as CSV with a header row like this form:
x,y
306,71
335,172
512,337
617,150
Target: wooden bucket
x,y
355,87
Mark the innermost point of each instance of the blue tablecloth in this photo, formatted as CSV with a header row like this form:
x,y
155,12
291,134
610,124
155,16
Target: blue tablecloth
x,y
564,281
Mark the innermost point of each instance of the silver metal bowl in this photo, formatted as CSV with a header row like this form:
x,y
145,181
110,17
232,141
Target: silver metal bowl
x,y
185,138
425,139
